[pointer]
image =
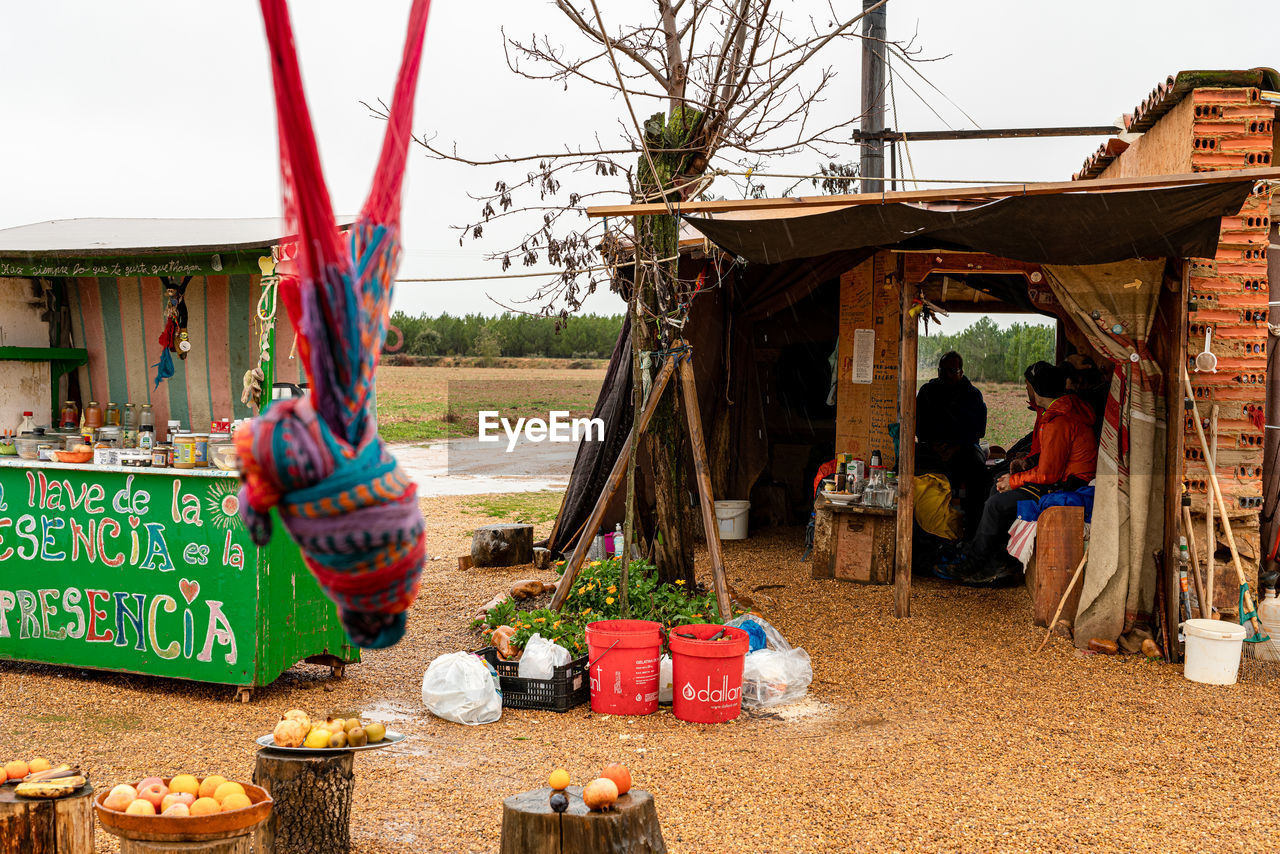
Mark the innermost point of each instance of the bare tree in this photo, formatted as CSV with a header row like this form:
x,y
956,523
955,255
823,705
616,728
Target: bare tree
x,y
727,85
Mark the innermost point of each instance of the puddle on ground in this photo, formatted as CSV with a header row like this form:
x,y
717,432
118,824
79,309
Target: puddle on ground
x,y
386,712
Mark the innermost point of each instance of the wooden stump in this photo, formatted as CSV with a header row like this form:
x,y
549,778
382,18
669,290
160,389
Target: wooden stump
x,y
502,545
39,826
312,794
235,845
529,826
542,558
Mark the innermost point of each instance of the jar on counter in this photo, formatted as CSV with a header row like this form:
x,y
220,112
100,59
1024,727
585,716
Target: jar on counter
x,y
92,416
110,437
111,417
69,419
202,450
184,451
171,433
160,456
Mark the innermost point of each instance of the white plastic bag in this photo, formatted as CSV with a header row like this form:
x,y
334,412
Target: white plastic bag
x,y
541,657
665,679
776,674
460,687
771,677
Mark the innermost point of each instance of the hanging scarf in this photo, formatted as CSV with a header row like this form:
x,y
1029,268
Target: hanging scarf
x,y
318,459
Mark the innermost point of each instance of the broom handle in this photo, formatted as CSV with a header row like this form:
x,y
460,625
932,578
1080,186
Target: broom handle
x,y
1063,601
1217,495
1211,543
1206,609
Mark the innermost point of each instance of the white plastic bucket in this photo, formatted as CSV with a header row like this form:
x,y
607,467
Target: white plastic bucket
x,y
731,518
1213,651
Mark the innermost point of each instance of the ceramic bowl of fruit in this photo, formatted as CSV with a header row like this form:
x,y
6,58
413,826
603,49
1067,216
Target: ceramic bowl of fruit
x,y
171,809
76,454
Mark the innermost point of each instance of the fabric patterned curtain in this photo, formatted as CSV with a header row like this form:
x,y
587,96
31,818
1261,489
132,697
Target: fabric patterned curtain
x,y
1114,306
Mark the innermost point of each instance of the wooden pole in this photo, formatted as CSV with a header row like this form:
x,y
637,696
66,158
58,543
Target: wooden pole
x,y
871,161
1211,535
1206,609
702,473
611,486
1062,603
1216,490
908,349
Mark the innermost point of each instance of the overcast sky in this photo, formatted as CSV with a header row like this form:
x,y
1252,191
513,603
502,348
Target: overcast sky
x,y
159,108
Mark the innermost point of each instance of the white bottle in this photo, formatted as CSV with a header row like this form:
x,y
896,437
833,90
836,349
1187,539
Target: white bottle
x,y
28,423
1269,616
618,540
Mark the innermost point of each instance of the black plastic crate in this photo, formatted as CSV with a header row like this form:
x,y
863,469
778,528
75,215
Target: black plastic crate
x,y
568,687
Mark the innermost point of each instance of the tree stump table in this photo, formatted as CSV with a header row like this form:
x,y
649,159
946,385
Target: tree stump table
x,y
312,794
502,545
42,826
530,826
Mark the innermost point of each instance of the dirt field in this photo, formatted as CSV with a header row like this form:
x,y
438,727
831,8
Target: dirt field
x,y
433,403
943,732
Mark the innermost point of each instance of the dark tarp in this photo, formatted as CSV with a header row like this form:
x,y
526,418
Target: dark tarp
x,y
1066,228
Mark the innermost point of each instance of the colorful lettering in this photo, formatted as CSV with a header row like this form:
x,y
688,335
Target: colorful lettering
x,y
135,619
232,553
102,546
47,610
95,615
49,525
26,528
7,553
6,605
219,630
71,604
157,549
170,605
27,615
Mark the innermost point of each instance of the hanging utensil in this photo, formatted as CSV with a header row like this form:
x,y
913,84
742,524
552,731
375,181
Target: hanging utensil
x,y
1206,362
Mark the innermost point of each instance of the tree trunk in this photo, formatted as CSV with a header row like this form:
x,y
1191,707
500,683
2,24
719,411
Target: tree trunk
x,y
40,826
235,845
529,826
312,794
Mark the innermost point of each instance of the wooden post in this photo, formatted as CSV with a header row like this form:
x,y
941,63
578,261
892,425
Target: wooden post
x,y
610,487
41,826
312,794
1193,551
702,473
1211,534
231,845
907,349
529,826
1173,305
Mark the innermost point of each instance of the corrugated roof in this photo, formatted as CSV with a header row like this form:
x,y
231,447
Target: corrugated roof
x,y
106,237
1167,95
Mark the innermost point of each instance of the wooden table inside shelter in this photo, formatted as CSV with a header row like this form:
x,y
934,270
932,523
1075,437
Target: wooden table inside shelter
x,y
854,542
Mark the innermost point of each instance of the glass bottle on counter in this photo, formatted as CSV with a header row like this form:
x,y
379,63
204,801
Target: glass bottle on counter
x,y
111,418
92,416
69,419
146,428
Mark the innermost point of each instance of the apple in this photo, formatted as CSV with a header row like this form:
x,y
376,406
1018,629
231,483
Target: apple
x,y
120,797
176,810
154,793
172,798
141,806
142,784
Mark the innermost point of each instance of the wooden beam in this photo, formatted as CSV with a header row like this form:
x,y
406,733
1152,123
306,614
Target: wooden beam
x,y
702,474
611,486
907,349
1147,182
1173,444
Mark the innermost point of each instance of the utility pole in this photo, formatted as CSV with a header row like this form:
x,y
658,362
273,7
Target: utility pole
x,y
871,163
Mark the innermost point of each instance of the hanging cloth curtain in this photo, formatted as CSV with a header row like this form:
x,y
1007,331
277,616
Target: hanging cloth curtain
x,y
318,459
1114,306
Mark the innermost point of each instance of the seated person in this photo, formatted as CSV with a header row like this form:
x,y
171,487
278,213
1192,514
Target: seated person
x,y
951,419
1086,380
1067,460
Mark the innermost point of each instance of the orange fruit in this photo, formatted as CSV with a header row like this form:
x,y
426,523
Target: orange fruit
x,y
16,770
236,801
210,784
620,776
220,794
559,779
185,783
205,806
39,764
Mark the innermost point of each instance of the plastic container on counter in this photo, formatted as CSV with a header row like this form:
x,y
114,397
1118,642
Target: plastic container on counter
x,y
184,451
201,457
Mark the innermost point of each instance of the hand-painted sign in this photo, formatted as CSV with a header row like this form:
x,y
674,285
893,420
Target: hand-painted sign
x,y
139,572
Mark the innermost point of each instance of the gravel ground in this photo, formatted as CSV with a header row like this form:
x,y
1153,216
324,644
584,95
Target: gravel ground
x,y
939,733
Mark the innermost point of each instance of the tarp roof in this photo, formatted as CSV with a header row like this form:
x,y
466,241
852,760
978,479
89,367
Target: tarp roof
x,y
105,237
1068,228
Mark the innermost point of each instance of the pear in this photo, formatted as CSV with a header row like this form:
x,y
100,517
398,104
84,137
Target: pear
x,y
352,723
338,739
357,737
376,732
335,725
318,737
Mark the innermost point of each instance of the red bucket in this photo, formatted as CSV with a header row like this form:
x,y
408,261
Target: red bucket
x,y
623,666
707,674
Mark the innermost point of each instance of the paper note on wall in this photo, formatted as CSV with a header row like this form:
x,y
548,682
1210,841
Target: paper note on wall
x,y
864,355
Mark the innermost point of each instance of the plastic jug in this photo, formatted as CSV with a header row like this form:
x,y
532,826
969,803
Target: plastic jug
x,y
1269,616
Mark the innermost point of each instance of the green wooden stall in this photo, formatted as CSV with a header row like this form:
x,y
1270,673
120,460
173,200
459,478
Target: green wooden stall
x,y
150,570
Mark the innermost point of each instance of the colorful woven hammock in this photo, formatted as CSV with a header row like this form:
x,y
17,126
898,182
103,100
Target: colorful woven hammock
x,y
318,459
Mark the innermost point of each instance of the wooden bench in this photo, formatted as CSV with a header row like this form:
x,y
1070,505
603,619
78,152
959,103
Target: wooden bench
x,y
1059,547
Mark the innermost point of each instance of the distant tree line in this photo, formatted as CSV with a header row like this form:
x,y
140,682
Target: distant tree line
x,y
990,354
586,336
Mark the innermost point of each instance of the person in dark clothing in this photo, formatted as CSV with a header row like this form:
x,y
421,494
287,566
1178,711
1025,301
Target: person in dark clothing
x,y
1067,455
1085,379
951,419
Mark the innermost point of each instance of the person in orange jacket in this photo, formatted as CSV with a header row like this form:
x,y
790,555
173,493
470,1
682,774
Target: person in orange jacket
x,y
1068,457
